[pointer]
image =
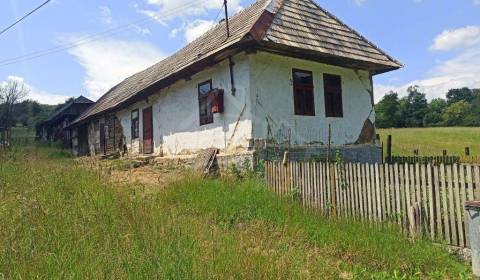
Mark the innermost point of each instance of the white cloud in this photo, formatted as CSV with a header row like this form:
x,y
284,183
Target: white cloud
x,y
109,61
165,10
464,37
359,2
40,96
194,29
105,15
460,71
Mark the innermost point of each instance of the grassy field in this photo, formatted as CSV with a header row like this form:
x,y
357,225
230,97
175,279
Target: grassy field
x,y
60,219
432,141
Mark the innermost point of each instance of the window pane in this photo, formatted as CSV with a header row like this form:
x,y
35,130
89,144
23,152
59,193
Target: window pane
x,y
302,78
333,96
303,93
204,88
204,103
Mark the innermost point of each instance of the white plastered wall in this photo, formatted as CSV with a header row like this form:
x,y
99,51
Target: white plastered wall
x,y
273,105
176,128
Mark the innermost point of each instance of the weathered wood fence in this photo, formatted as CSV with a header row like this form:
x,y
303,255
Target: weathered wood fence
x,y
425,159
424,199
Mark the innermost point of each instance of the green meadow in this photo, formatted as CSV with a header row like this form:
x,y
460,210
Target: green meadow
x,y
61,219
432,141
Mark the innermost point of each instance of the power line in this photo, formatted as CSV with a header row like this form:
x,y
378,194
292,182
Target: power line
x,y
24,17
95,37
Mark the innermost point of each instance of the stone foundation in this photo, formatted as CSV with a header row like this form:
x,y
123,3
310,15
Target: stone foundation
x,y
367,153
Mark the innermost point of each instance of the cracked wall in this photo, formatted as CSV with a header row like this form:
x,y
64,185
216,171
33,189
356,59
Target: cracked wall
x,y
273,107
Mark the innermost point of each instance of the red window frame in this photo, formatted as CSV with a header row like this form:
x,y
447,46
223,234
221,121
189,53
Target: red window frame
x,y
332,85
303,94
205,104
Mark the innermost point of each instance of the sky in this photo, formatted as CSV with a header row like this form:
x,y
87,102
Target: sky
x,y
71,48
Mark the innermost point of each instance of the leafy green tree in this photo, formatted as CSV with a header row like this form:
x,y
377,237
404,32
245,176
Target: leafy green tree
x,y
416,107
455,114
459,94
435,110
473,116
387,111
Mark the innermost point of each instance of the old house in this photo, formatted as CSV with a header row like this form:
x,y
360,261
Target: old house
x,y
55,127
281,73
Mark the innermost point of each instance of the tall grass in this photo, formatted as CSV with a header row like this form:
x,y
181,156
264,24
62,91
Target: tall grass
x,y
59,220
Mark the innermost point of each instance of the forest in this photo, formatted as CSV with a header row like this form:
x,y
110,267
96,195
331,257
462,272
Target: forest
x,y
460,107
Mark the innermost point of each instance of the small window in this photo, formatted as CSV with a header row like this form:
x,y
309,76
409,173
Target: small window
x,y
333,96
303,93
204,102
135,123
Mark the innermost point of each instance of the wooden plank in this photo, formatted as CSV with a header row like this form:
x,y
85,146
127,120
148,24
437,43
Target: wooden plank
x,y
417,185
322,186
468,188
398,207
351,188
476,190
459,206
440,233
369,193
328,189
431,204
445,216
360,190
423,189
364,193
463,199
338,196
378,193
403,198
408,198
451,205
314,186
387,186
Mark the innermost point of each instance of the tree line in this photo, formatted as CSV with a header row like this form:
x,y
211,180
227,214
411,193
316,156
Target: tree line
x,y
17,110
460,107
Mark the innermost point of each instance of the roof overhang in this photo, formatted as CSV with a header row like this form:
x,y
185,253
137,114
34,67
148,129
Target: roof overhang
x,y
330,59
185,73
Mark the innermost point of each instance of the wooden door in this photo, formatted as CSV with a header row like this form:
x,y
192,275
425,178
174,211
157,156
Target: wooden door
x,y
147,130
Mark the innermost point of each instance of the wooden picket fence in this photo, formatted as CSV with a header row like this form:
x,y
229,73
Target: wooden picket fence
x,y
424,159
427,199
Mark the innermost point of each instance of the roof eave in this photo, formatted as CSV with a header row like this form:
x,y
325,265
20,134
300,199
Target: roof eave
x,y
374,67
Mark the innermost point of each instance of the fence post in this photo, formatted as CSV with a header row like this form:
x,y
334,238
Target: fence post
x,y
389,149
415,220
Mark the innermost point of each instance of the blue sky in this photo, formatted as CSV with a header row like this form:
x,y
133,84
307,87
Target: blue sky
x,y
437,40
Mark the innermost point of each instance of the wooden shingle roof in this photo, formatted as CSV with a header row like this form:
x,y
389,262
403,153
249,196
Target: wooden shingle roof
x,y
289,26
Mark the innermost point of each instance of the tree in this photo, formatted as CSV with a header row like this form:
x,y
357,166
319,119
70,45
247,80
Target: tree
x,y
416,107
459,94
11,93
387,111
455,114
435,110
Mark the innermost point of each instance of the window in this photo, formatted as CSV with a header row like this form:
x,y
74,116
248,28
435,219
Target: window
x,y
303,93
135,122
204,102
333,96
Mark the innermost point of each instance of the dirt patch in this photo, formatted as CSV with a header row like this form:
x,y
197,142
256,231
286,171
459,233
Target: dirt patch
x,y
135,174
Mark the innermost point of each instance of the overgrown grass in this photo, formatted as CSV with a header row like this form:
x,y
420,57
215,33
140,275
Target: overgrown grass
x,y
432,141
59,220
